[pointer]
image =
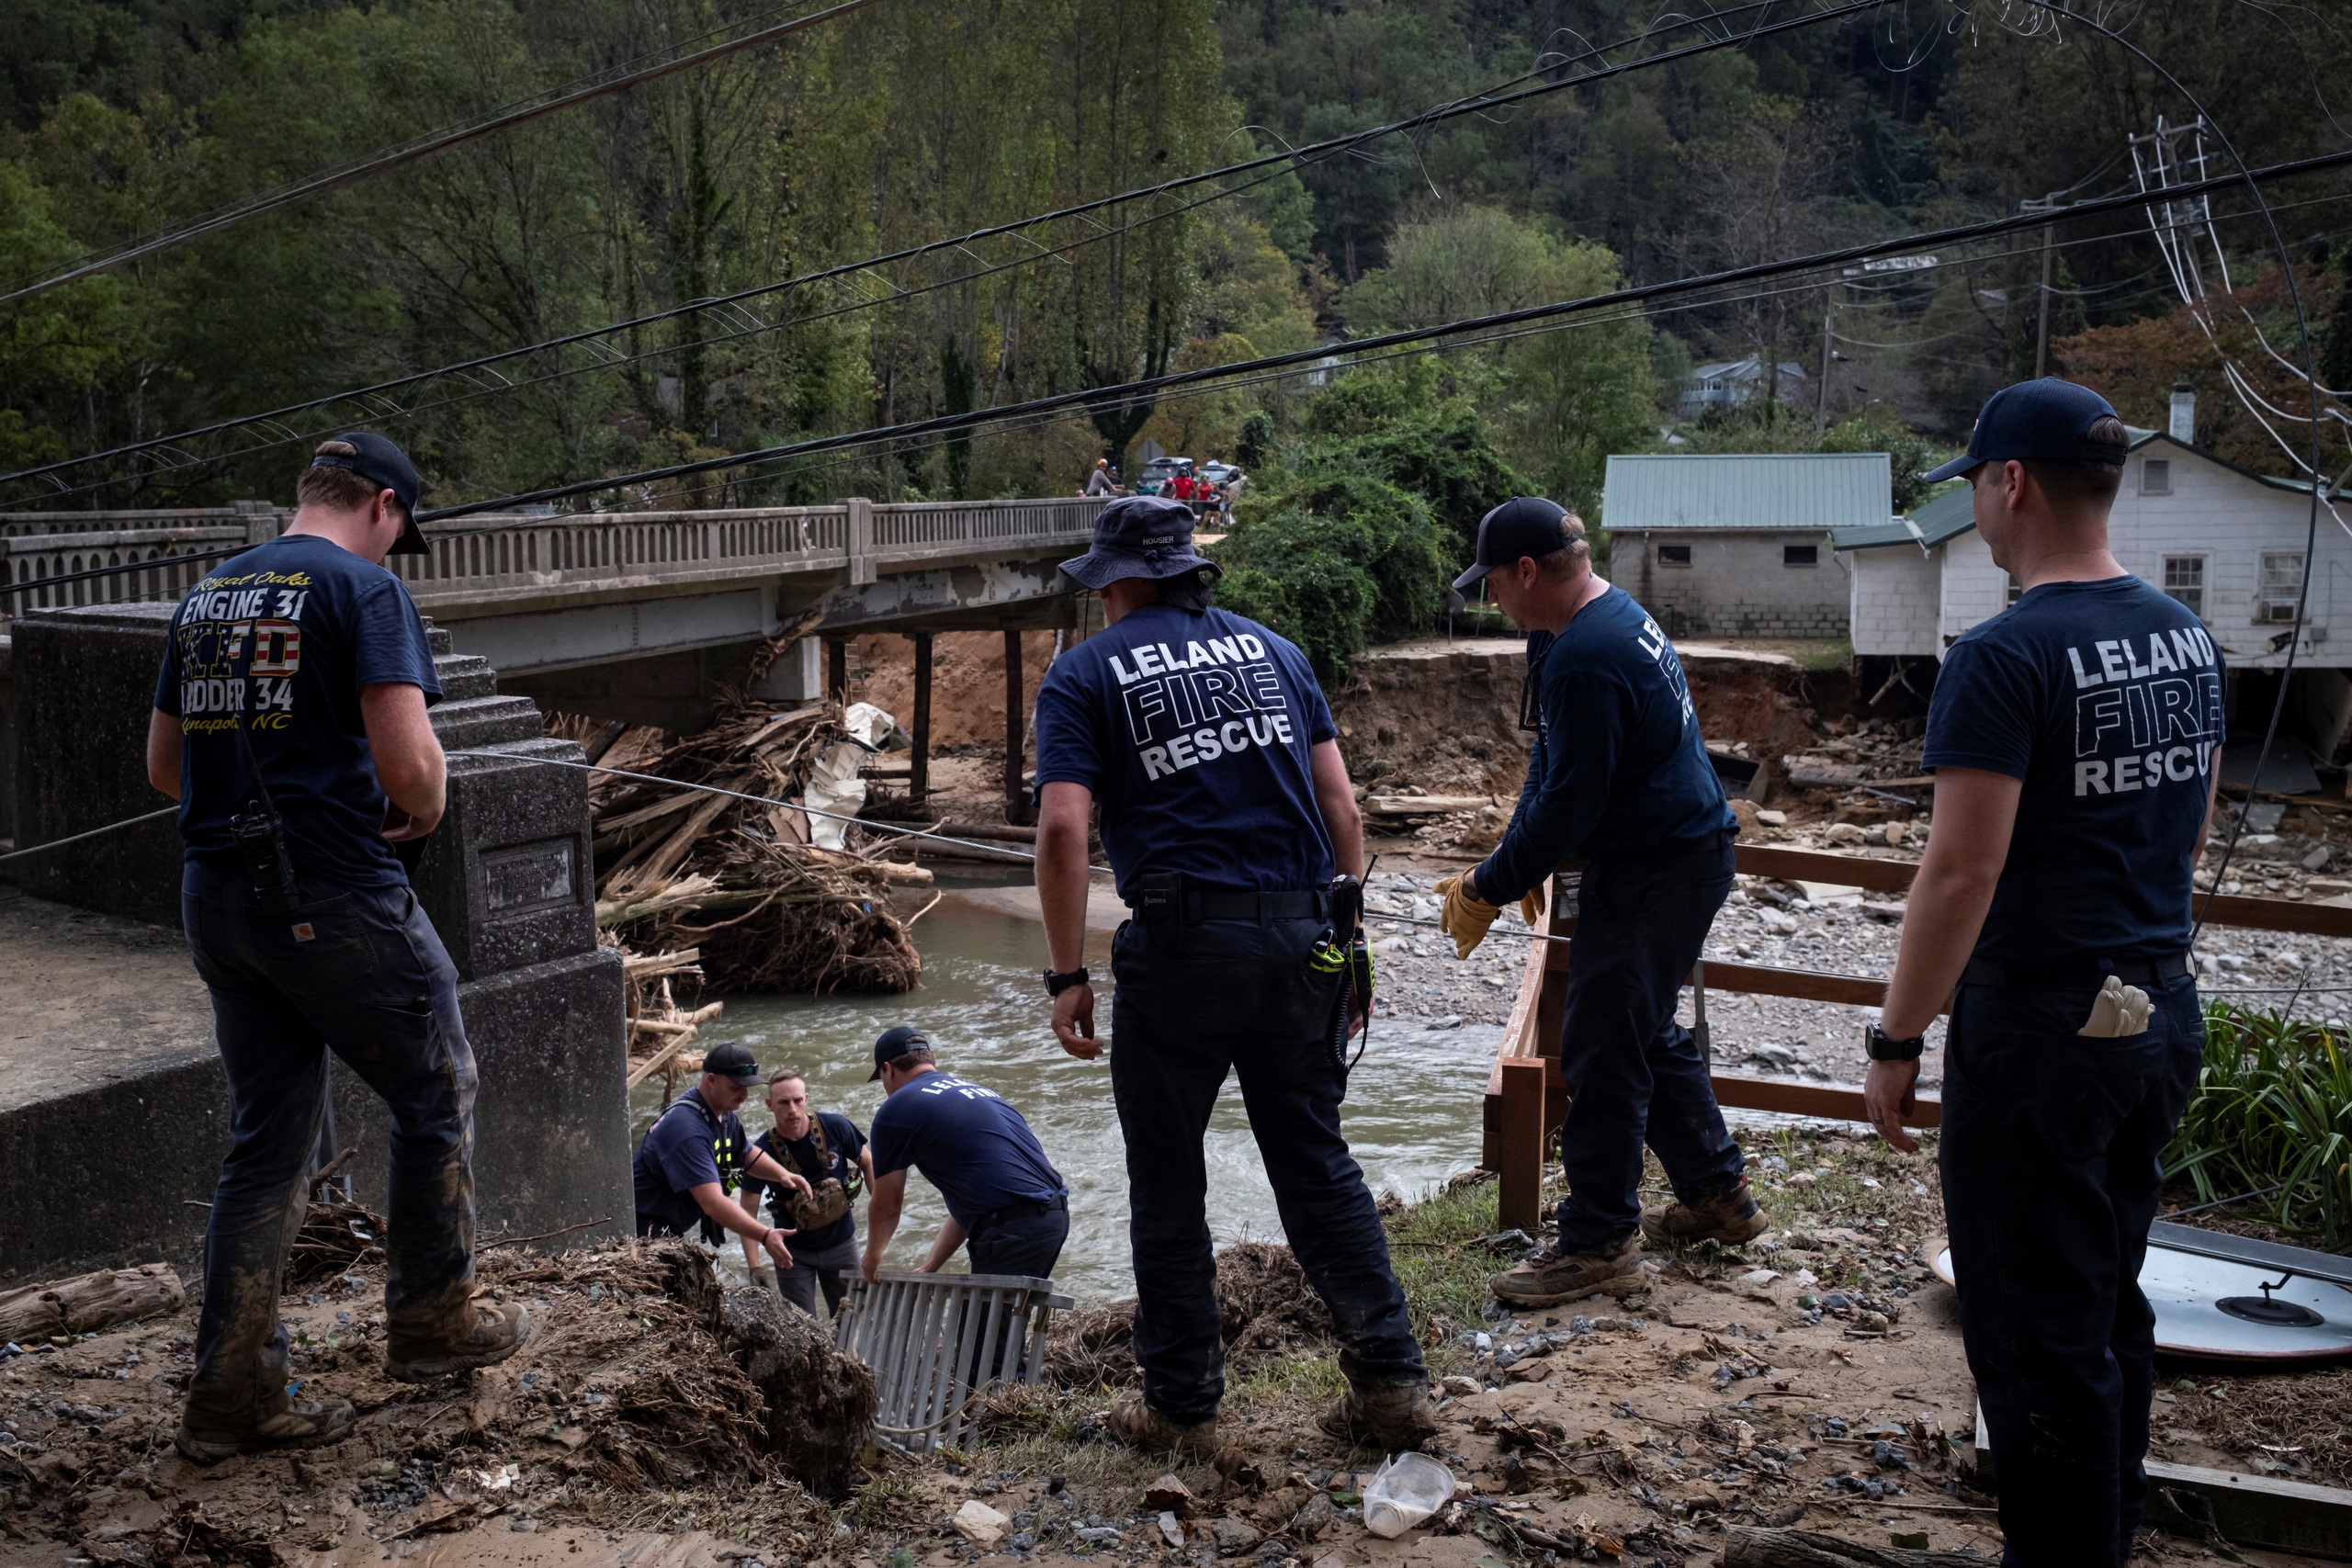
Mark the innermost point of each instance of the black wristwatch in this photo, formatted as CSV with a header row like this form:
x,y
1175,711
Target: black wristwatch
x,y
1057,984
1882,1047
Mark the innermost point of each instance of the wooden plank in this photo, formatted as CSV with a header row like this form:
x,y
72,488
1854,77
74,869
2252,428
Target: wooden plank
x,y
2273,914
1518,1035
1423,805
1840,1101
1818,866
1520,1200
2252,1510
1804,984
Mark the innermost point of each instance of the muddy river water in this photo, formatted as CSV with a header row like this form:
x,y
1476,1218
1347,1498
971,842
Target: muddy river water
x,y
1412,1111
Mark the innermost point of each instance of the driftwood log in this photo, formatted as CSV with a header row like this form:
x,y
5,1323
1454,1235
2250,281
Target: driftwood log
x,y
1746,1546
91,1301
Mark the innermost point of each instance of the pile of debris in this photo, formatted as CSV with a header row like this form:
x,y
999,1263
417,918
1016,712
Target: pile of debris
x,y
1268,1312
767,897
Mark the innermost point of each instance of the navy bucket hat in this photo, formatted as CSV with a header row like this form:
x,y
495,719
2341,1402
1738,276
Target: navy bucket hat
x,y
1141,536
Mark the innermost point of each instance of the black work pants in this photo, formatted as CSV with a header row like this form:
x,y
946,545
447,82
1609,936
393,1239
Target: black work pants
x,y
1029,1243
359,971
1633,1074
2049,1154
1238,997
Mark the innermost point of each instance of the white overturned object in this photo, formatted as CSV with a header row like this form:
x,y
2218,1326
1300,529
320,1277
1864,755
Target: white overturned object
x,y
937,1341
2186,1290
1405,1491
833,782
2118,1011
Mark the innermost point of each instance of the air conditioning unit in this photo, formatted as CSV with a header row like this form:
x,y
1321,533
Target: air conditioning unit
x,y
2278,611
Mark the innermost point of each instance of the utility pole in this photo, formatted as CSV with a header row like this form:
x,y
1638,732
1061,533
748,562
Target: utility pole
x,y
2050,203
1821,388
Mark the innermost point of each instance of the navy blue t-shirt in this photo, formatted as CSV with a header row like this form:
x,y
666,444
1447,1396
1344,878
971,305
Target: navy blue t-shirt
x,y
967,1143
2105,698
843,1142
287,635
1617,767
1194,732
689,1145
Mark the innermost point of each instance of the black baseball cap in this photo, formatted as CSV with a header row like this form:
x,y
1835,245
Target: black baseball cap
x,y
895,1044
1140,535
731,1059
374,458
2047,420
1524,526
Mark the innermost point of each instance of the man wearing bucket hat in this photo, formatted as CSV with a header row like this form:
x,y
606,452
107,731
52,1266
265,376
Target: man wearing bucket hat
x,y
1225,812
2073,738
290,722
1617,778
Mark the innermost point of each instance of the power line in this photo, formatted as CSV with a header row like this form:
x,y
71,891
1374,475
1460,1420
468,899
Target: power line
x,y
1151,386
1276,162
317,185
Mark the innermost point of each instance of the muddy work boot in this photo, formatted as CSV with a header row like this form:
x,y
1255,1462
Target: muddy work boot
x,y
302,1423
1553,1276
1387,1416
1141,1428
1729,1219
498,1333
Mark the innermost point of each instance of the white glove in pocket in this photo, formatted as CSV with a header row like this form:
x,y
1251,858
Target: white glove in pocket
x,y
2118,1009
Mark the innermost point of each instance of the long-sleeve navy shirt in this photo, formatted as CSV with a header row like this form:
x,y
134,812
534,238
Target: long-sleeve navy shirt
x,y
1617,767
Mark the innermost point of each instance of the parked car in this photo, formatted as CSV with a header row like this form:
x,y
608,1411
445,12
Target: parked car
x,y
1219,473
1160,473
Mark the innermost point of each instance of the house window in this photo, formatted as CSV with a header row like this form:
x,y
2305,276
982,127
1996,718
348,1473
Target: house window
x,y
1674,555
2282,584
1799,554
2155,475
2185,581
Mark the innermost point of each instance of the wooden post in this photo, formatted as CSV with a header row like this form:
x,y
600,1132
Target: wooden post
x,y
837,669
1521,1204
1016,799
919,765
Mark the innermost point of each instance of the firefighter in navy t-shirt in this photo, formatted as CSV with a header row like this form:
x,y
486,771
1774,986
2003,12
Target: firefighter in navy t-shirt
x,y
1226,809
2073,738
289,722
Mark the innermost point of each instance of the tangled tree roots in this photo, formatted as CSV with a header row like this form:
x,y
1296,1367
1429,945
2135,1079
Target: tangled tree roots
x,y
820,1402
1267,1307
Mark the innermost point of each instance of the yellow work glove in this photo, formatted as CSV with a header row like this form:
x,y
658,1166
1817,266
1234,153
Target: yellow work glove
x,y
1466,915
1531,906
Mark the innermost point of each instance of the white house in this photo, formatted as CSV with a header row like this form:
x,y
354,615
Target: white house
x,y
1725,383
2228,543
1737,545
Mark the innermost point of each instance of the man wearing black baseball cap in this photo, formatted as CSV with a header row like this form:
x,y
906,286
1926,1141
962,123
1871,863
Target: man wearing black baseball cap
x,y
1617,778
694,1156
1003,1193
290,724
2073,738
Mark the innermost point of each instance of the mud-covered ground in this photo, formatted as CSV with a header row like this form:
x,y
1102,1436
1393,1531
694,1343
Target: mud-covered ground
x,y
1813,1377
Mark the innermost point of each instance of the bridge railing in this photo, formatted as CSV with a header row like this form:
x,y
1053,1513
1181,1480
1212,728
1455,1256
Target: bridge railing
x,y
537,551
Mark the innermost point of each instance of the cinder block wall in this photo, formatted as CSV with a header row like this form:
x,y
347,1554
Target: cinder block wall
x,y
1736,584
1894,590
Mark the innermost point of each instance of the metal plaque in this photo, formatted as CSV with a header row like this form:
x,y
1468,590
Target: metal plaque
x,y
528,879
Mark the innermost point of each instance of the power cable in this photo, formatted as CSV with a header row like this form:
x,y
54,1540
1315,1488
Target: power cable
x,y
320,184
1278,163
77,837
1273,368
1151,386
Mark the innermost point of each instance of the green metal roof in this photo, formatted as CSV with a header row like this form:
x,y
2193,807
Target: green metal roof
x,y
1944,516
1756,491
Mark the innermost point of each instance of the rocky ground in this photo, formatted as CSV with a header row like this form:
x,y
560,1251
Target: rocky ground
x,y
1813,1378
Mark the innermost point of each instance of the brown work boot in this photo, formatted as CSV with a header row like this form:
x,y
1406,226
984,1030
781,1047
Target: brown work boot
x,y
1387,1416
303,1424
1553,1276
498,1333
1141,1428
1730,1218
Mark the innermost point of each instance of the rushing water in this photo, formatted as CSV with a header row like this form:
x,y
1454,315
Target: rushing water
x,y
1412,1112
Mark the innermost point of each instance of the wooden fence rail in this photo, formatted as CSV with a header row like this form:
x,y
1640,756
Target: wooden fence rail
x,y
1525,1101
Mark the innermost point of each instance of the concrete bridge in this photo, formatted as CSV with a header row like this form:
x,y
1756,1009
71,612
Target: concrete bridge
x,y
631,615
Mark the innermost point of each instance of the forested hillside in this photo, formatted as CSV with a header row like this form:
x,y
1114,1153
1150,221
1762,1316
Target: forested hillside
x,y
912,121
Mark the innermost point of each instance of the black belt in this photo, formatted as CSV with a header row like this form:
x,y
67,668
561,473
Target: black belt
x,y
1019,1209
1237,904
2084,972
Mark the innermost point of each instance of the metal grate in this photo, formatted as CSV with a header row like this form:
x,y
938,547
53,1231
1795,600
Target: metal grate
x,y
935,1340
